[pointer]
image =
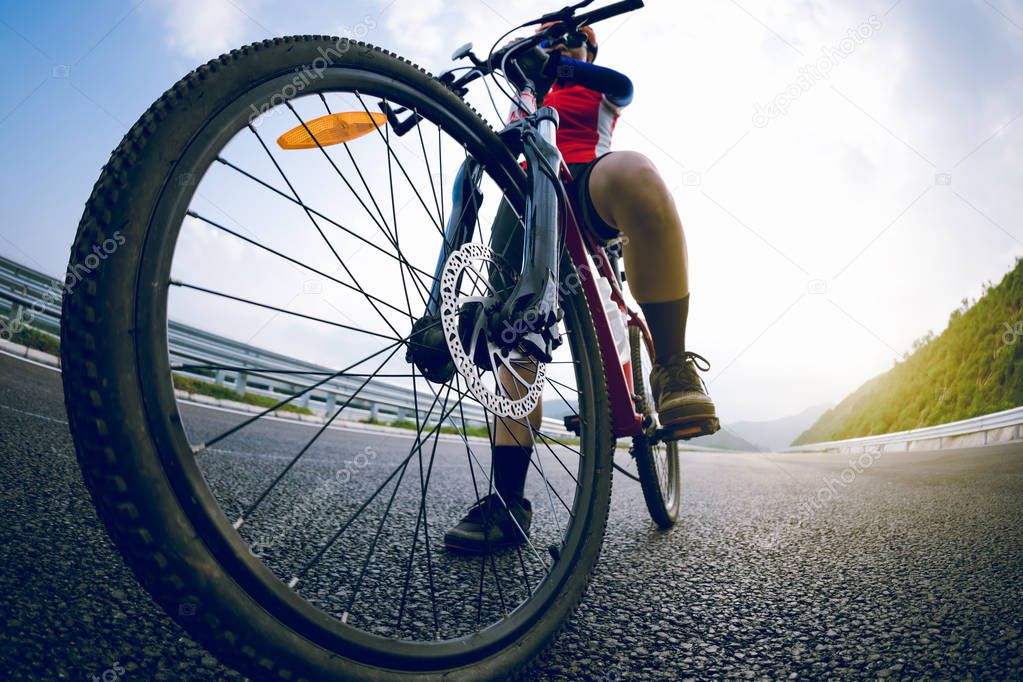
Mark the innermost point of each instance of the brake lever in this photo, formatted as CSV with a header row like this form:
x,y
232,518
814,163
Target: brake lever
x,y
449,79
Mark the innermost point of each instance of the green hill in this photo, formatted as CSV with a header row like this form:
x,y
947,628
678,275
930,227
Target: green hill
x,y
974,367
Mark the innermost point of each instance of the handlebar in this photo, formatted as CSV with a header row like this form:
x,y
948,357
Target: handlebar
x,y
567,21
607,12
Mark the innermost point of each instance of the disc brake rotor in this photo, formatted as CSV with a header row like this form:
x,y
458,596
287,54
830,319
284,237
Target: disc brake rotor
x,y
467,268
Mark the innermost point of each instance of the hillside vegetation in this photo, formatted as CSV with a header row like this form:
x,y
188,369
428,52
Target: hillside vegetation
x,y
974,367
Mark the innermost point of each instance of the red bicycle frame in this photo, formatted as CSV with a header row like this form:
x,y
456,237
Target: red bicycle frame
x,y
591,262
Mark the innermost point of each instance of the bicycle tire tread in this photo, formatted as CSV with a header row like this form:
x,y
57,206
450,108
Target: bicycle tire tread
x,y
87,391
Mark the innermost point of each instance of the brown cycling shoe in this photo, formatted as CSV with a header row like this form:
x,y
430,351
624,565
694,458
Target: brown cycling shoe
x,y
681,396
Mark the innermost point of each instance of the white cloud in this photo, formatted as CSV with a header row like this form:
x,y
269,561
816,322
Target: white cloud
x,y
203,29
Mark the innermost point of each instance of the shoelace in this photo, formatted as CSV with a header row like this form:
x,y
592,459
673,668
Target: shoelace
x,y
690,355
681,365
490,505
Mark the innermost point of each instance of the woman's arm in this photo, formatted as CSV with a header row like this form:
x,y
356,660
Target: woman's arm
x,y
614,85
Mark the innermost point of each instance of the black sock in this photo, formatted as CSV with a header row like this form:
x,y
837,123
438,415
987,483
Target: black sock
x,y
667,322
511,464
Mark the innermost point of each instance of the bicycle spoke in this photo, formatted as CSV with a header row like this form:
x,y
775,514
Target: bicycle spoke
x,y
534,432
412,185
263,371
420,287
389,232
334,538
312,219
518,549
332,165
229,231
421,520
429,173
440,171
554,383
332,323
312,441
486,529
465,394
424,487
322,216
383,520
538,463
198,449
383,227
365,504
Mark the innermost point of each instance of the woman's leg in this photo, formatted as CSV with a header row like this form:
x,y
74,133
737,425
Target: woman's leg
x,y
629,194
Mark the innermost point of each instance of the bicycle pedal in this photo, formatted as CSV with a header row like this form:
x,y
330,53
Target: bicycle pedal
x,y
687,431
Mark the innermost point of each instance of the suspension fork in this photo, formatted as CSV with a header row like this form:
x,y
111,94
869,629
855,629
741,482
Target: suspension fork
x,y
465,204
529,315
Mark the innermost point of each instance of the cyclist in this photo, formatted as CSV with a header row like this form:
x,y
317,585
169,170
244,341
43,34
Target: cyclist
x,y
621,195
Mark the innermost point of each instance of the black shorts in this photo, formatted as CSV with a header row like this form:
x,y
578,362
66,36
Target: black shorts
x,y
580,186
506,236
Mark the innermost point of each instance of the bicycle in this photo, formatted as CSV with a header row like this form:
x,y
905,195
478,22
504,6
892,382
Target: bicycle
x,y
339,593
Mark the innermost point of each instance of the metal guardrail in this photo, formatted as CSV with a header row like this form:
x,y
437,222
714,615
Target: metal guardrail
x,y
999,427
34,298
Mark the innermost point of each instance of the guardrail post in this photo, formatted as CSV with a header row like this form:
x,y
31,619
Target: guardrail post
x,y
374,412
399,415
304,400
241,381
331,404
14,323
221,378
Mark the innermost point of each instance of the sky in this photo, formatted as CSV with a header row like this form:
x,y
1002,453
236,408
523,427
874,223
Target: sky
x,y
847,172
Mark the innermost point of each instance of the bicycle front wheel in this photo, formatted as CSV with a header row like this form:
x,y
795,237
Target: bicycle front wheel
x,y
283,527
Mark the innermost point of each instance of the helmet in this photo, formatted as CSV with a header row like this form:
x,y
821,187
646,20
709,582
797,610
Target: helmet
x,y
591,37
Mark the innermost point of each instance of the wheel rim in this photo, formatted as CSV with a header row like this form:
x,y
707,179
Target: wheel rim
x,y
250,561
663,455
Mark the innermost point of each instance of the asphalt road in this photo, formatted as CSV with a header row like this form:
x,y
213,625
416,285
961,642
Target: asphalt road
x,y
782,566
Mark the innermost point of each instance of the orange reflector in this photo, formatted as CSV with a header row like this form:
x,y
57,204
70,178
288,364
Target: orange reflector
x,y
331,129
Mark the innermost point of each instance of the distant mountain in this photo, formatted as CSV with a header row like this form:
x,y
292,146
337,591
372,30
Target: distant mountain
x,y
726,439
974,367
741,436
778,434
558,409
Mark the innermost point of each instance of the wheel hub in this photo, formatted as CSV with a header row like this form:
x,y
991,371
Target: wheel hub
x,y
515,382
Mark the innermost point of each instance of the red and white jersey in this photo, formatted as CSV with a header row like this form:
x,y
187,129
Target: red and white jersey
x,y
587,120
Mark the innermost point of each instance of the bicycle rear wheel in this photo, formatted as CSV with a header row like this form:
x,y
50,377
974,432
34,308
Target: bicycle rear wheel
x,y
657,463
291,548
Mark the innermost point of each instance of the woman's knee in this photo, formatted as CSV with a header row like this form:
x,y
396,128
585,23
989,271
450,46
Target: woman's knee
x,y
623,169
628,183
